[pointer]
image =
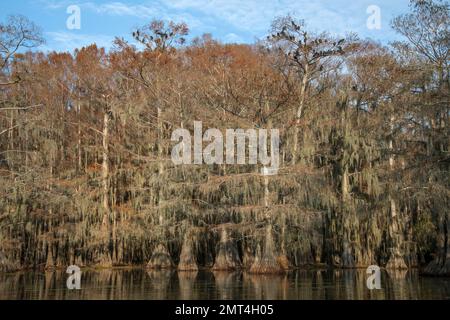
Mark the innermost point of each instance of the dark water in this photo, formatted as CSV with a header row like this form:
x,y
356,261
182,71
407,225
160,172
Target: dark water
x,y
137,284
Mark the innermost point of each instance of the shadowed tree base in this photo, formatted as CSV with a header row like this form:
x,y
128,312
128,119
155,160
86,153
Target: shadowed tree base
x,y
104,261
227,257
438,267
284,263
266,263
396,261
160,259
50,264
248,258
187,258
6,265
78,261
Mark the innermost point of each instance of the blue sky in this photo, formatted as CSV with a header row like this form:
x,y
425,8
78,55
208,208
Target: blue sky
x,y
228,20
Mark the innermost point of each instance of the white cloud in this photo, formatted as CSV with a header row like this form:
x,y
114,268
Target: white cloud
x,y
246,19
233,38
53,4
145,12
122,9
254,17
69,41
247,15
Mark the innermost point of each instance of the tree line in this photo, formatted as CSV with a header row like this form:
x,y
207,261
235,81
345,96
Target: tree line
x,y
86,175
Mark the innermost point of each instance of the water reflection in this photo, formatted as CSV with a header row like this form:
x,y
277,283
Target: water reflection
x,y
187,281
138,284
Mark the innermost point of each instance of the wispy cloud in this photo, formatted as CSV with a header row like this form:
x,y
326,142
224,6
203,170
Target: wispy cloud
x,y
145,11
232,20
256,15
55,4
69,41
253,17
233,38
122,9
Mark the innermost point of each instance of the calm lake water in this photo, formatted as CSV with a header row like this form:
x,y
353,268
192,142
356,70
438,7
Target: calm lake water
x,y
138,284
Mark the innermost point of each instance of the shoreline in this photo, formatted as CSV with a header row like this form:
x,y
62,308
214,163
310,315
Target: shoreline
x,y
206,269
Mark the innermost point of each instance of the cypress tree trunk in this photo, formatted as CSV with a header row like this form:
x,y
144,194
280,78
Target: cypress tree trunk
x,y
248,258
283,259
8,265
299,113
227,257
188,260
105,254
50,262
396,260
266,261
440,266
79,151
160,259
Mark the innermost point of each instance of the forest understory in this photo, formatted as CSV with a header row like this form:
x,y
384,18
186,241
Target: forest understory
x,y
86,176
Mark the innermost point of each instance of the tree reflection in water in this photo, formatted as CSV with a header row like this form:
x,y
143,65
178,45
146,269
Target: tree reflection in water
x,y
138,284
